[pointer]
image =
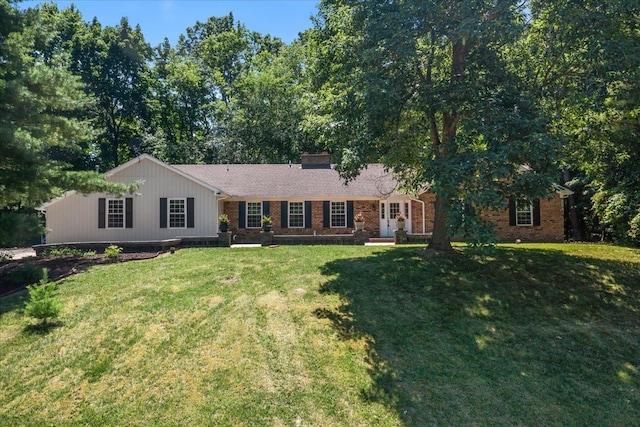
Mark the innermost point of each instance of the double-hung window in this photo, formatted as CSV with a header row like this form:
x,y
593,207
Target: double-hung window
x,y
115,213
338,214
296,214
254,214
524,213
177,213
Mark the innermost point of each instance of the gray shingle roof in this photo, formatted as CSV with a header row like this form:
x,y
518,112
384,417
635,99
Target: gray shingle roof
x,y
278,181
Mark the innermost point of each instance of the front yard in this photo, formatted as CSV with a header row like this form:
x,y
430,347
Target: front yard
x,y
334,336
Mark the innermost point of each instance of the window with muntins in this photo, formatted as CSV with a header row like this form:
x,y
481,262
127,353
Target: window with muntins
x,y
296,214
115,213
338,214
524,214
254,214
177,213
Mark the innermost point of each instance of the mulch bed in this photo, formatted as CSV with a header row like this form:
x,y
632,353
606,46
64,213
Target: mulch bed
x,y
58,267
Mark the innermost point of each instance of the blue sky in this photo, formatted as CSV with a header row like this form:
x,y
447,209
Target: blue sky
x,y
170,18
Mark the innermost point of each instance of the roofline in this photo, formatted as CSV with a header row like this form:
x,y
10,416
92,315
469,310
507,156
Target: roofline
x,y
218,192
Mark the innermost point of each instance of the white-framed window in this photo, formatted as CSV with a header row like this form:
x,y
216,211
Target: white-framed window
x,y
177,213
115,213
524,213
338,214
296,214
254,214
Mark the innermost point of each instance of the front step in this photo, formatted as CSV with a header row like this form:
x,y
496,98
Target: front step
x,y
381,240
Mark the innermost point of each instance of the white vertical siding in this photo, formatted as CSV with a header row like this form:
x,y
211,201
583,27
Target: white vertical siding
x,y
75,218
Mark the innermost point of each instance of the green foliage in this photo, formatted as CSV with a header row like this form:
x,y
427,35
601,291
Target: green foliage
x,y
26,274
436,101
42,303
20,228
112,251
66,251
223,219
42,107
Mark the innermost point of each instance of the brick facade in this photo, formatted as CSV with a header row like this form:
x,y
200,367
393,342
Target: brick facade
x,y
368,208
551,228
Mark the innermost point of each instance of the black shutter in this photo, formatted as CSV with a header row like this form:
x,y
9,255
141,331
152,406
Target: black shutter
x,y
266,208
536,212
102,212
307,215
163,212
326,214
284,214
242,214
191,223
512,212
350,214
128,209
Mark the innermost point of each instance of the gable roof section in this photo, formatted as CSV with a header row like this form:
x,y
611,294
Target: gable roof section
x,y
278,181
127,165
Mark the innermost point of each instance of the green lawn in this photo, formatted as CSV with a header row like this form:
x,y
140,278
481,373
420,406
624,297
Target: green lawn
x,y
335,336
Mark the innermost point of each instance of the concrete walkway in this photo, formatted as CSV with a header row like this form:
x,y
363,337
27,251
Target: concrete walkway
x,y
19,253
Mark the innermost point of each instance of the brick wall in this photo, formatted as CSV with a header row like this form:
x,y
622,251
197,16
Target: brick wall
x,y
368,208
551,228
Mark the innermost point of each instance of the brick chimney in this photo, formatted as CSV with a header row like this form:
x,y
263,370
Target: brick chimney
x,y
316,161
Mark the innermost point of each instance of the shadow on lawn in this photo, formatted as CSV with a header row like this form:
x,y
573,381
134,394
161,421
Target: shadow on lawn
x,y
518,336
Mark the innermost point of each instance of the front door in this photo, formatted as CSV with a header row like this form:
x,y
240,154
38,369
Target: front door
x,y
388,212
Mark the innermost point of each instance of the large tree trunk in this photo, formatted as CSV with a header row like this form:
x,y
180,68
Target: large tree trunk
x,y
440,240
577,225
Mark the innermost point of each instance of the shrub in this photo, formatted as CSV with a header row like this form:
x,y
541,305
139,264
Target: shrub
x,y
64,251
42,303
112,251
25,274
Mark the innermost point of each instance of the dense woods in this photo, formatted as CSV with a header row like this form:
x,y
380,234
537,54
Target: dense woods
x,y
457,95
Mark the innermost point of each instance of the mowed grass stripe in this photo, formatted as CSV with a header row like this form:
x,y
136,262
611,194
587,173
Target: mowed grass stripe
x,y
331,336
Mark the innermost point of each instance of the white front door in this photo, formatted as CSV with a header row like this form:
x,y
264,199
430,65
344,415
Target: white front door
x,y
388,212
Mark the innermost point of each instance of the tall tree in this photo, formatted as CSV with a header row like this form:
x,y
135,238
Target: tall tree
x,y
581,60
113,63
426,88
40,103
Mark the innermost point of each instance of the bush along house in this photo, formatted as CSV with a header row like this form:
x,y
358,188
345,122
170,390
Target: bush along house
x,y
306,199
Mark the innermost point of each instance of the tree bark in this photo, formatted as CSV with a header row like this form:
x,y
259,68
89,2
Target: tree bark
x,y
440,240
577,225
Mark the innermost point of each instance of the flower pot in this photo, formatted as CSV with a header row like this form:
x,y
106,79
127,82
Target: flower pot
x,y
359,225
266,227
400,224
223,228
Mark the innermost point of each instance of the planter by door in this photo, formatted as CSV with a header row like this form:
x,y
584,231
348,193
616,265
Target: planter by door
x,y
400,224
359,225
223,227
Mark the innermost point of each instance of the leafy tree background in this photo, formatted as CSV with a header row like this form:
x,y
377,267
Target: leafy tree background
x,y
454,95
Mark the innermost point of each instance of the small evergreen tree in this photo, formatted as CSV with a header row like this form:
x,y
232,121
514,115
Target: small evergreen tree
x,y
42,303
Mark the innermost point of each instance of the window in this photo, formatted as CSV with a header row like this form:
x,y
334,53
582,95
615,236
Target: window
x,y
524,214
254,214
338,214
115,213
296,214
177,213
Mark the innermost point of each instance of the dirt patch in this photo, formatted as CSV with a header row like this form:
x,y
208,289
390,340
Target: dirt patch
x,y
58,267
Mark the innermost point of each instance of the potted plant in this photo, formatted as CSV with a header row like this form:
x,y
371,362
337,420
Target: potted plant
x,y
267,223
400,220
359,221
223,223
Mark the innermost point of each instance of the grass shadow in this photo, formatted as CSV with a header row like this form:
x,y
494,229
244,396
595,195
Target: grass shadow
x,y
42,328
518,336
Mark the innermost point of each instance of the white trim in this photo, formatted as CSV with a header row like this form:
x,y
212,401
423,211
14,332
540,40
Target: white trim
x,y
185,214
289,214
518,224
106,213
246,216
344,203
